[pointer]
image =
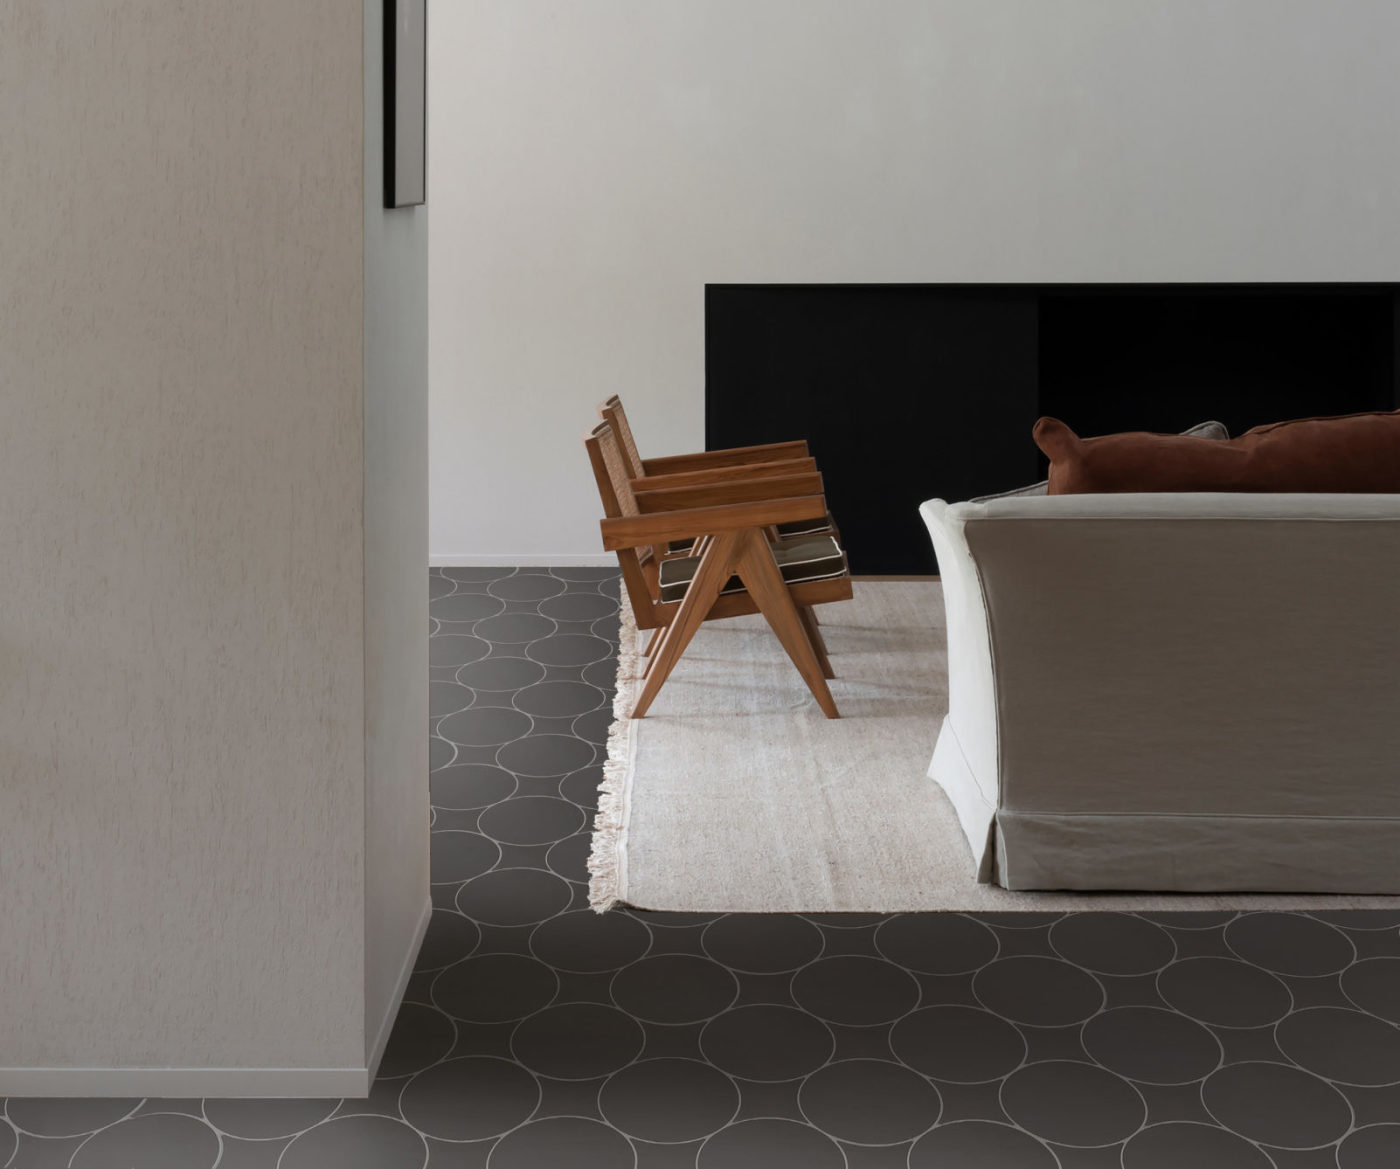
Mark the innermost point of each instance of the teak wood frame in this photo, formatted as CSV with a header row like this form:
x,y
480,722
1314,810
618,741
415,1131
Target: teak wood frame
x,y
701,462
766,461
731,522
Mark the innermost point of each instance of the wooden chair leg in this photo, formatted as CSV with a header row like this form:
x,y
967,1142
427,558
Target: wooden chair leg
x,y
699,548
656,643
652,641
759,572
710,575
814,635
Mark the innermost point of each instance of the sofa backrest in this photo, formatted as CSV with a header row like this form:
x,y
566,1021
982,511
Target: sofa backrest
x,y
1200,649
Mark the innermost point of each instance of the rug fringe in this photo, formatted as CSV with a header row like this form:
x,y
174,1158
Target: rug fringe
x,y
605,854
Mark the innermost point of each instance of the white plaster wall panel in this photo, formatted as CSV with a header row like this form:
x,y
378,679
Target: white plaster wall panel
x,y
396,555
181,658
593,166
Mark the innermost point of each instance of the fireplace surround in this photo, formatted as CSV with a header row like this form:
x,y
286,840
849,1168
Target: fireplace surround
x,y
910,392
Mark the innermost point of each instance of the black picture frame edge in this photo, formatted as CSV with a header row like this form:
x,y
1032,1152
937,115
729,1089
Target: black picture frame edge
x,y
390,81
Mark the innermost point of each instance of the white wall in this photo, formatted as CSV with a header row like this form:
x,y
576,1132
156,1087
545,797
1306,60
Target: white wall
x,y
196,477
395,559
594,165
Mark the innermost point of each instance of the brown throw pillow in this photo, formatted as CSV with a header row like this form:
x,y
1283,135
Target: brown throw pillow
x,y
1350,453
1212,430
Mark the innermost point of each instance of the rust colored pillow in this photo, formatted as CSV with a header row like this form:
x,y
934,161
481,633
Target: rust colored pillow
x,y
1350,453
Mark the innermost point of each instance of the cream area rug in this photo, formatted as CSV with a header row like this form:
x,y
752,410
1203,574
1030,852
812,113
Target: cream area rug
x,y
734,794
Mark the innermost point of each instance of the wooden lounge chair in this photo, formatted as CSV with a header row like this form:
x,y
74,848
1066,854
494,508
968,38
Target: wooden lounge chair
x,y
770,460
735,567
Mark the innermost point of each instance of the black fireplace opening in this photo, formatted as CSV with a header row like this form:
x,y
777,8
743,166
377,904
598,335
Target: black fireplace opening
x,y
912,392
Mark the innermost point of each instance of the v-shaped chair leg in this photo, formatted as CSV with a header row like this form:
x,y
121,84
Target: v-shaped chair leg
x,y
698,548
814,635
764,582
656,643
716,564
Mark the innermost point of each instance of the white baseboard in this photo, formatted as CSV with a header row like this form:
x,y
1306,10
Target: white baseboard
x,y
391,1010
185,1082
516,559
175,1083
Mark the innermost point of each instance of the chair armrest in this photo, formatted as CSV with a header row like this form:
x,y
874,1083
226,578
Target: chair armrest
x,y
738,491
641,530
724,474
701,460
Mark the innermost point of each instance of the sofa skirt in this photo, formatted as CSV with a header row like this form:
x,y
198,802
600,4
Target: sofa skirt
x,y
1023,850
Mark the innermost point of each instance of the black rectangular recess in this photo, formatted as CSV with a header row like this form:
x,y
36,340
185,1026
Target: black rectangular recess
x,y
913,391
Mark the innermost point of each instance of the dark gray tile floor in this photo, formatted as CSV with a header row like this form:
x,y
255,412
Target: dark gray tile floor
x,y
537,1035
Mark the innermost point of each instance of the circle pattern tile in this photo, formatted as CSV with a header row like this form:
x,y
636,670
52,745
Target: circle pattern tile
x,y
535,1032
1152,1045
1344,1046
1377,1146
762,943
494,988
962,1045
855,990
1373,984
770,1144
158,1140
937,943
469,1099
669,1101
767,1042
980,1142
1276,1104
584,942
1224,992
869,1102
1112,943
564,1142
577,1041
674,988
1046,1100
1290,943
1201,1146
1039,992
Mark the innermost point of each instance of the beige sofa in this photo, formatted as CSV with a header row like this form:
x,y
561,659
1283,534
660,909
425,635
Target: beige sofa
x,y
1174,692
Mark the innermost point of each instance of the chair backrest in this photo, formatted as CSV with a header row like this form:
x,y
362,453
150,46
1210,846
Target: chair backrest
x,y
615,491
616,417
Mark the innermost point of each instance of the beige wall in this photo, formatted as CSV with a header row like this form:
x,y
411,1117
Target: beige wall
x,y
594,165
182,501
